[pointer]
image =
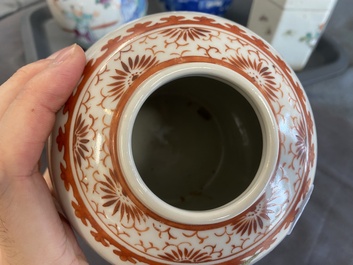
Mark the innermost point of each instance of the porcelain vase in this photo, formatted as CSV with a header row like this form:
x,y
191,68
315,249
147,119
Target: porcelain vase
x,y
89,20
292,27
188,140
216,7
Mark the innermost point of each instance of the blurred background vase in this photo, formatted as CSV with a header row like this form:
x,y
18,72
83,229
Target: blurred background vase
x,y
89,20
292,27
216,7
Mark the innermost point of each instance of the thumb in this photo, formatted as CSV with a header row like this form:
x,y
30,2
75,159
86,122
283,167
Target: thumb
x,y
27,122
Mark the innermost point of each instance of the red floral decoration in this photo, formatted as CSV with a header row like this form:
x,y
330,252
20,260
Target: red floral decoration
x,y
129,73
115,196
259,73
253,220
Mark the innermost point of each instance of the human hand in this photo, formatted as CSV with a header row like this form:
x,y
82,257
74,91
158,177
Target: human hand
x,y
31,230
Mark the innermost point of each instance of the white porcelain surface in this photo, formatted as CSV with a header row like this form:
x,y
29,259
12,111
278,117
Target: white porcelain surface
x,y
305,4
291,30
95,166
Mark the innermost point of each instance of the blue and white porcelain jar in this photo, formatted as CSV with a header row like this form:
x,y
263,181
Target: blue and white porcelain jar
x,y
216,7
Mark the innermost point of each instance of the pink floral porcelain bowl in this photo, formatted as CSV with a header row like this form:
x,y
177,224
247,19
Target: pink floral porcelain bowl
x,y
187,140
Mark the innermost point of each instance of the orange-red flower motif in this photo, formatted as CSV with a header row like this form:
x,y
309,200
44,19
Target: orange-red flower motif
x,y
114,195
301,144
185,33
186,256
80,140
131,70
260,74
310,127
253,220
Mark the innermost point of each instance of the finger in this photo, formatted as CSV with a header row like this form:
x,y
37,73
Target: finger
x,y
10,89
28,120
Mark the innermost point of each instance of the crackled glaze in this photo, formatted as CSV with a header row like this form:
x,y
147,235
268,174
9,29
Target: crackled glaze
x,y
84,148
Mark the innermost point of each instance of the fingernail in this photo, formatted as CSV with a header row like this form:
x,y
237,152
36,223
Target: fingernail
x,y
62,55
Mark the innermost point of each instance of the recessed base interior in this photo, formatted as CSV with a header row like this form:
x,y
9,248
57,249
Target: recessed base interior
x,y
197,143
